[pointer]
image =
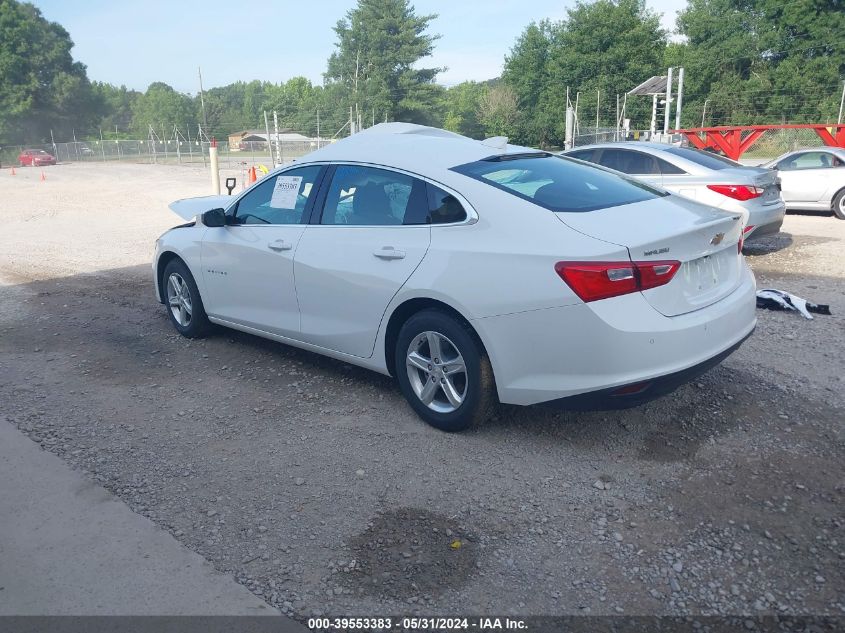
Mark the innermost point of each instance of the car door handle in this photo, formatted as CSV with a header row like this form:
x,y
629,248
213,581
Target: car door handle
x,y
388,252
280,245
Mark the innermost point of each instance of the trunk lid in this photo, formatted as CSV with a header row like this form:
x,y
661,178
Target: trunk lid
x,y
702,238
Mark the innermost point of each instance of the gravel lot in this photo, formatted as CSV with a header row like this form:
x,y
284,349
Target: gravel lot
x,y
315,485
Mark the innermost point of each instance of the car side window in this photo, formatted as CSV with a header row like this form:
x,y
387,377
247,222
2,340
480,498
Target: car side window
x,y
667,168
628,162
368,196
280,199
586,154
808,160
443,207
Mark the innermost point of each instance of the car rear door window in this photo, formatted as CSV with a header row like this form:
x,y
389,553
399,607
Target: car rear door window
x,y
368,196
280,198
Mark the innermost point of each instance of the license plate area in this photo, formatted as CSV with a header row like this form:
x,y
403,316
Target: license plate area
x,y
707,273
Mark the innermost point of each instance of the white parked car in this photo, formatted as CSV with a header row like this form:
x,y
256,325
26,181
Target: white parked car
x,y
703,176
470,271
813,179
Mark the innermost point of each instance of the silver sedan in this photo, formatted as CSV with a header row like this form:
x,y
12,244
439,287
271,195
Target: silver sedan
x,y
813,179
705,177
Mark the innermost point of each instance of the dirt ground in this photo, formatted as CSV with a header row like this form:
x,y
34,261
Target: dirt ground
x,y
314,484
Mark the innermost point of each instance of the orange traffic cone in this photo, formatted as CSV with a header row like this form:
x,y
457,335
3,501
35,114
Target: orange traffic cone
x,y
13,171
252,177
43,177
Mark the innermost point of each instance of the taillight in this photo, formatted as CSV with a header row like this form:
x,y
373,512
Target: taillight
x,y
737,192
593,281
742,235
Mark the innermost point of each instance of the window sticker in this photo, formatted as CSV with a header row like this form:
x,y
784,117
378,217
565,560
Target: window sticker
x,y
285,192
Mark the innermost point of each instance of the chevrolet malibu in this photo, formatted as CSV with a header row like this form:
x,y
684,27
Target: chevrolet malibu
x,y
471,271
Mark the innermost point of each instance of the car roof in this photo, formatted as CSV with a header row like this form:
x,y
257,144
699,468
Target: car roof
x,y
822,148
414,148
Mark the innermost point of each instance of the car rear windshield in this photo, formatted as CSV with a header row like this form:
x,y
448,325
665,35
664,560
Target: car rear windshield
x,y
558,183
705,159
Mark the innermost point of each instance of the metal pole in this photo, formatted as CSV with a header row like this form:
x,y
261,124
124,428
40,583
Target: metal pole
x,y
318,128
667,111
577,126
267,128
278,144
841,104
190,147
102,145
679,103
598,98
653,128
215,168
704,111
616,132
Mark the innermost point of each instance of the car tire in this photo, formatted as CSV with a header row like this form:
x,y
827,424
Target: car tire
x,y
453,393
183,302
839,205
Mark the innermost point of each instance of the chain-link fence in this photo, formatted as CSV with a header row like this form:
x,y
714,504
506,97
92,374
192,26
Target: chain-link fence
x,y
771,144
173,152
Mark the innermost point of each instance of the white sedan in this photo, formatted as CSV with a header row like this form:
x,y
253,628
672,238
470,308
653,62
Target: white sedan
x,y
813,179
470,271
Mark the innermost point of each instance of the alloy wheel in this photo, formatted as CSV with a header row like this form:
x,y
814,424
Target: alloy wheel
x,y
437,372
179,299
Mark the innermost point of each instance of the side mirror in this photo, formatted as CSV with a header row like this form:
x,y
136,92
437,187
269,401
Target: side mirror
x,y
215,217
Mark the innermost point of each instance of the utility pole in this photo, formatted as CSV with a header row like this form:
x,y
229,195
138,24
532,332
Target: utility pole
x,y
704,110
667,111
679,103
202,101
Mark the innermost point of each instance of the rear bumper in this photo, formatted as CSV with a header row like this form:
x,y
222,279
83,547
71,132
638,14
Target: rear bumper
x,y
765,222
546,355
635,394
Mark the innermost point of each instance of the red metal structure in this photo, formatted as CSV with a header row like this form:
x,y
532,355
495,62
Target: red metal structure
x,y
734,141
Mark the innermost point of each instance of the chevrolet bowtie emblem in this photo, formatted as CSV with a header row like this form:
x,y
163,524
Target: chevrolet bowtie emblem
x,y
717,239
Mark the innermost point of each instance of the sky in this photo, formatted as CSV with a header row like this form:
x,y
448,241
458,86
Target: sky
x,y
134,43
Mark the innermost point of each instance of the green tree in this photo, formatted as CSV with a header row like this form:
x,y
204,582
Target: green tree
x,y
162,107
607,46
379,43
116,108
41,87
461,104
498,111
527,72
758,61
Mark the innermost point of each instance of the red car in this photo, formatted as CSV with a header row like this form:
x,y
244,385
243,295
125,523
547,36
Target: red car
x,y
36,158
